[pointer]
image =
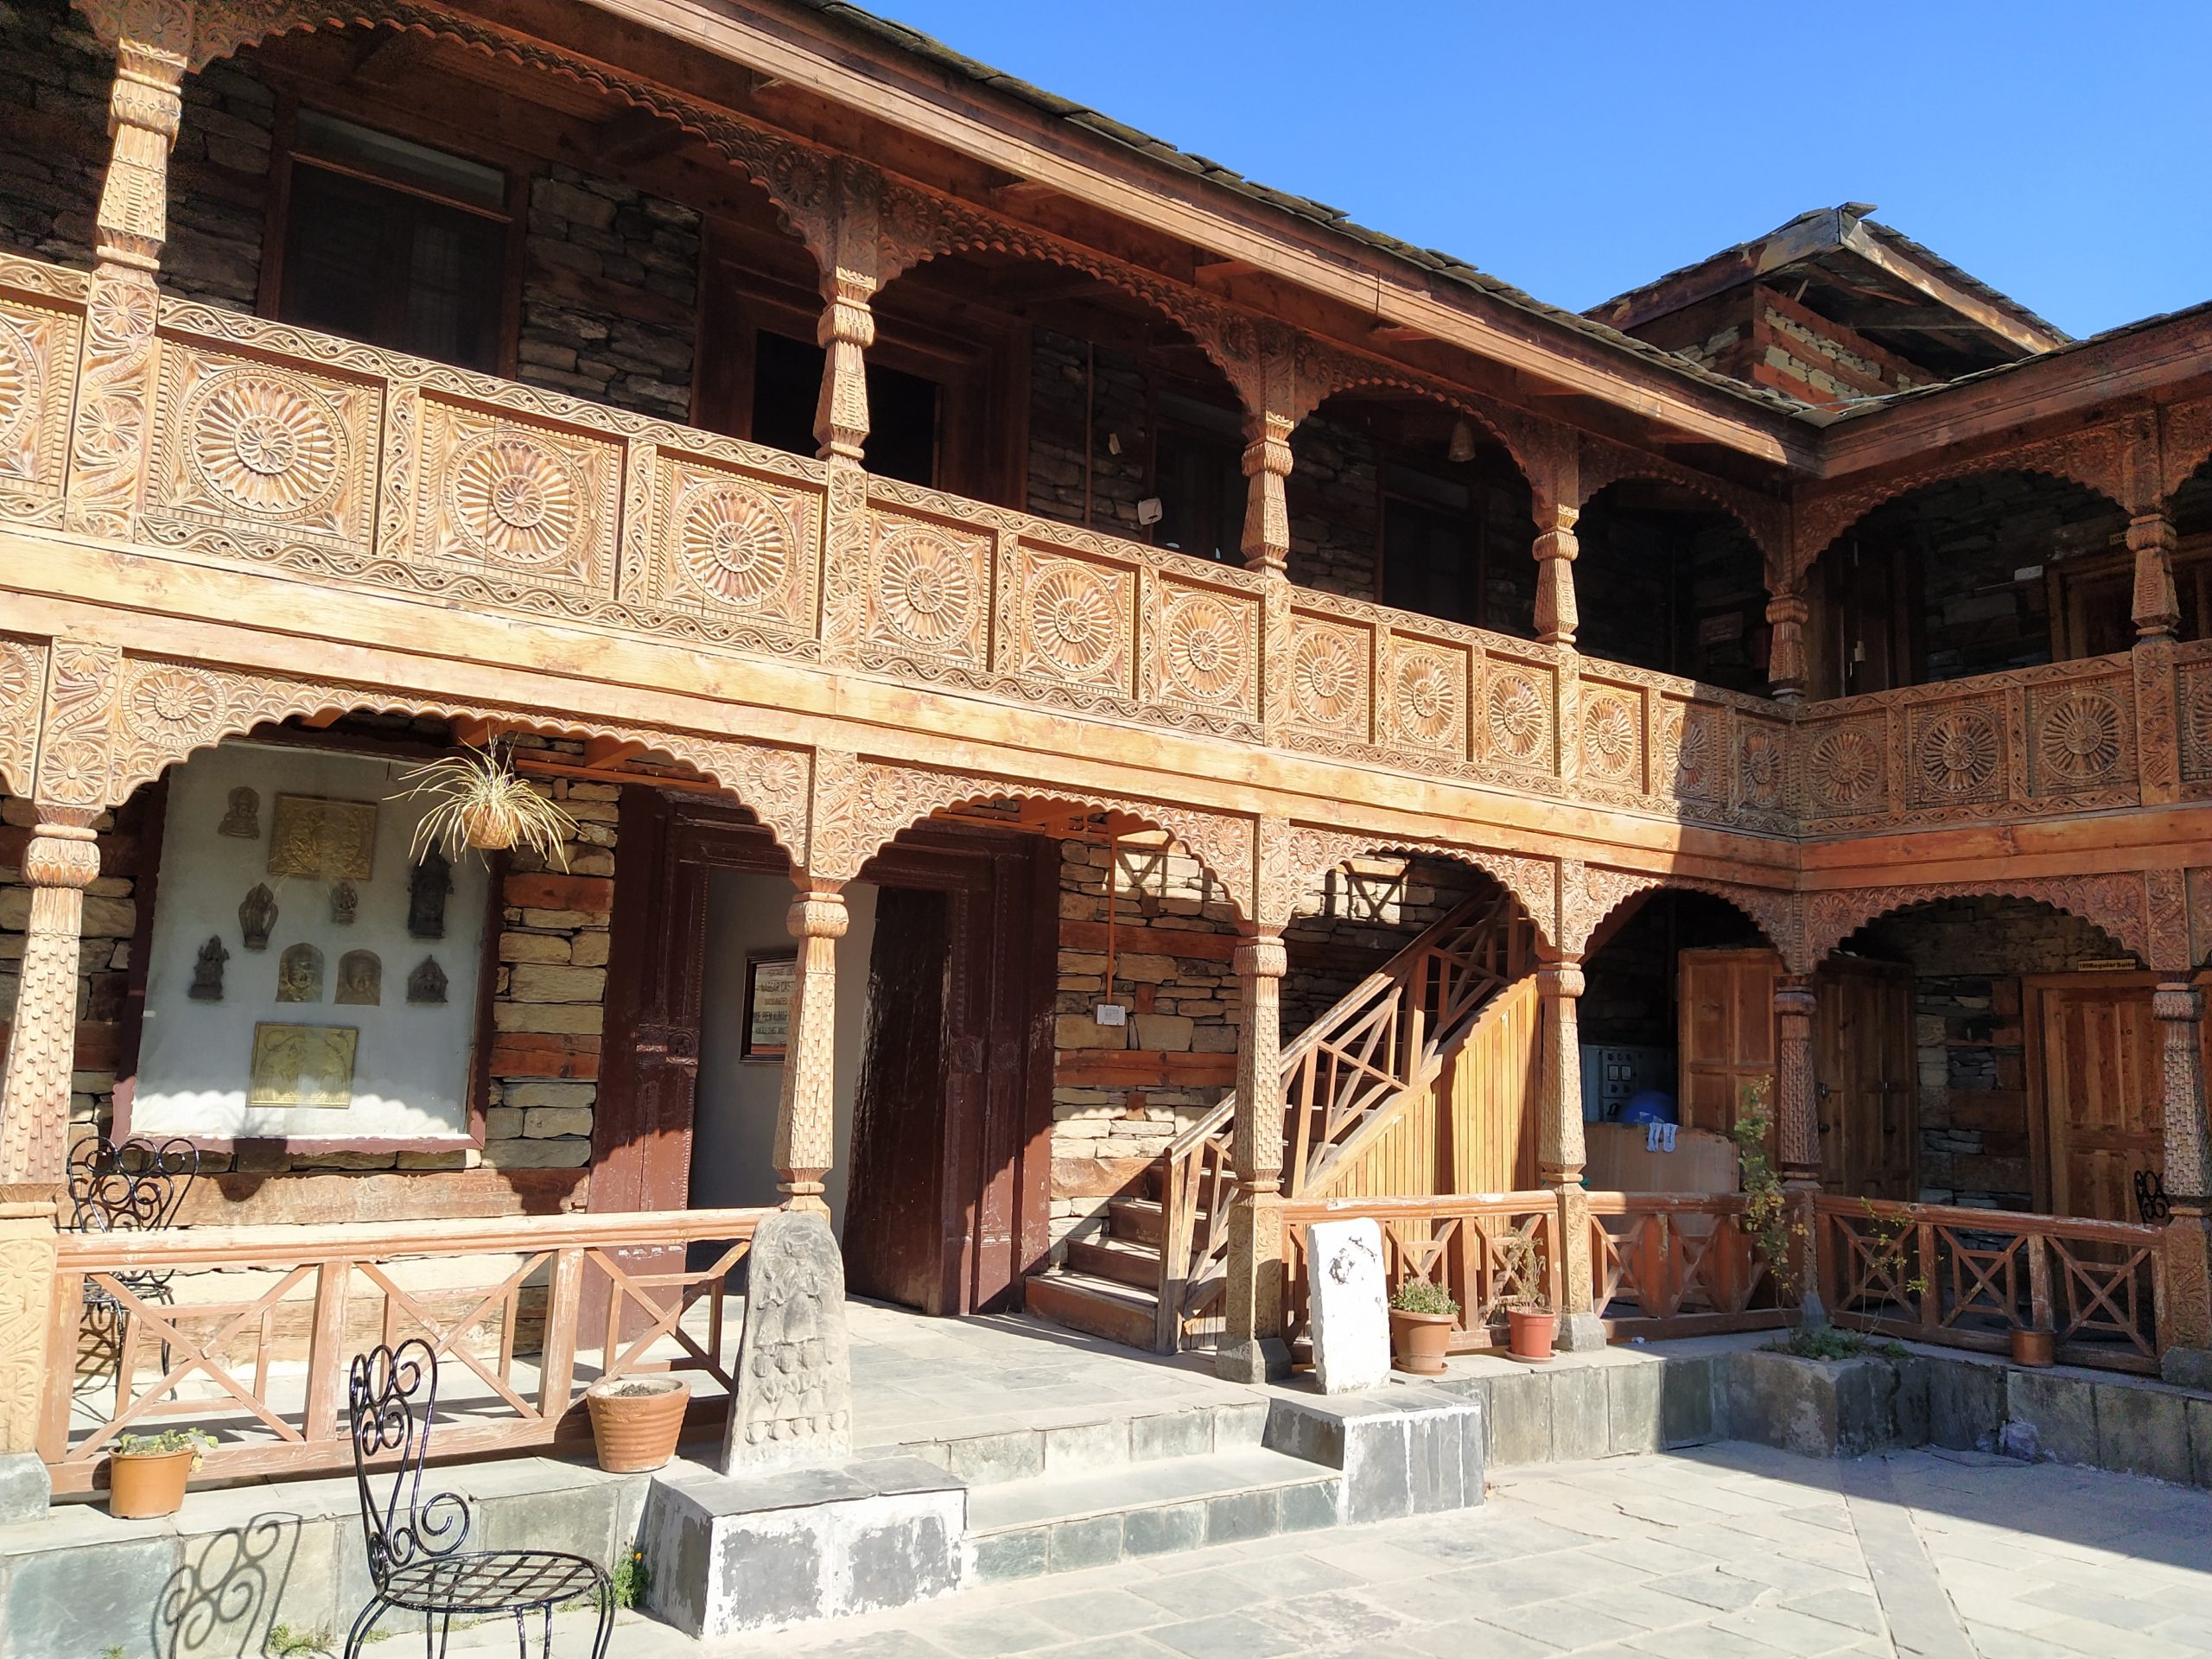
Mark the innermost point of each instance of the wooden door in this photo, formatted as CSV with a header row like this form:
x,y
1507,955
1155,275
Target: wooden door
x,y
2095,1062
1725,1025
1865,1070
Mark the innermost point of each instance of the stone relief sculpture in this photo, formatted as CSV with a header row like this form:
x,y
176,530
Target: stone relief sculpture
x,y
428,885
257,915
242,820
794,1371
360,978
344,903
427,984
299,975
207,971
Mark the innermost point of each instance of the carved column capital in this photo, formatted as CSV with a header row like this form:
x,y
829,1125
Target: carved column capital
x,y
2157,609
145,108
819,913
1786,615
60,854
1562,977
1261,956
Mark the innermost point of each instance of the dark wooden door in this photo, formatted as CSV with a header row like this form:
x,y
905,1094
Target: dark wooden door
x,y
1864,1070
2096,1063
1725,1031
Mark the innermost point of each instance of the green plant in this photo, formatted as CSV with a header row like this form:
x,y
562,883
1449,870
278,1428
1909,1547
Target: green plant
x,y
632,1579
478,800
168,1442
112,1651
1887,1254
1517,1255
285,1643
1821,1342
1421,1296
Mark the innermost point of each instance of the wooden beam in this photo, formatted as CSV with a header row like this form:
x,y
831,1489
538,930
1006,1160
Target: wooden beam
x,y
1946,293
611,751
639,134
1395,332
1217,274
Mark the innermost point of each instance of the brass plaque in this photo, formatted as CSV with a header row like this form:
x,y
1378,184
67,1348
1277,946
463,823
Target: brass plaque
x,y
313,836
302,1065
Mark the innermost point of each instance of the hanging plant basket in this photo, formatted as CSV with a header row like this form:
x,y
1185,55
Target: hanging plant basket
x,y
478,801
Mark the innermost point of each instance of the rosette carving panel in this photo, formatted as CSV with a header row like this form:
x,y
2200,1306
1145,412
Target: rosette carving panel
x,y
1517,716
1329,677
529,501
1612,735
1847,768
1954,753
928,589
1692,752
266,450
1076,620
2080,738
727,541
1202,648
38,362
1762,767
1427,687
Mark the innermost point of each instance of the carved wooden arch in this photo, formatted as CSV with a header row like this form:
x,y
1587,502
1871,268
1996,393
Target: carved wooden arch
x,y
1589,895
1536,449
1309,854
116,722
795,176
2109,460
860,806
2117,903
1764,522
2184,445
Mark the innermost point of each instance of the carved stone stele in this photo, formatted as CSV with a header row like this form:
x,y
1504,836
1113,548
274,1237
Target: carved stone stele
x,y
794,1398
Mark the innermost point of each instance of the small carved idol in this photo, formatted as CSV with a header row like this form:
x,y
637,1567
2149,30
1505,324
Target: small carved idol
x,y
207,972
428,983
360,978
243,817
257,915
345,902
299,975
427,884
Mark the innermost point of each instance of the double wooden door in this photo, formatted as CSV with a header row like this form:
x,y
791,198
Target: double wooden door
x,y
2095,1061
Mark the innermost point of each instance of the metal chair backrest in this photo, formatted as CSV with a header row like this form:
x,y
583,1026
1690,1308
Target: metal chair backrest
x,y
391,1395
135,1186
2151,1204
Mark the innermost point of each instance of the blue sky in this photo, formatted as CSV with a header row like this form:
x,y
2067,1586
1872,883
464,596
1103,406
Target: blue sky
x,y
2060,152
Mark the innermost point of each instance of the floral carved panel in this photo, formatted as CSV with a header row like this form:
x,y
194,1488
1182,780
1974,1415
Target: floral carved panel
x,y
1201,647
1955,753
38,365
1691,763
1332,677
23,688
262,449
1517,724
2081,737
927,592
2194,697
1847,767
1425,685
519,497
1611,738
733,545
1074,618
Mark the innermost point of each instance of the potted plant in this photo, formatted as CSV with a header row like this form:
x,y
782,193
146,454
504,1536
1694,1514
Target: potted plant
x,y
1421,1315
147,1475
1530,1323
2035,1346
635,1421
480,801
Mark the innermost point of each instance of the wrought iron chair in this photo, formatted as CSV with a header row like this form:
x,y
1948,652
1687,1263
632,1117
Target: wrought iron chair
x,y
2151,1203
416,1558
134,1185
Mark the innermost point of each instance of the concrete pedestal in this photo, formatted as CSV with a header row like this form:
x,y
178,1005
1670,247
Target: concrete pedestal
x,y
25,1490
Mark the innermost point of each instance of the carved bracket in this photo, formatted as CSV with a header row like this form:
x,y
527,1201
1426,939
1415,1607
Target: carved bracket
x,y
2117,903
1588,894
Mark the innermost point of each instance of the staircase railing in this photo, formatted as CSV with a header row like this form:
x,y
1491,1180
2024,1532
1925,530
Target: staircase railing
x,y
1343,1081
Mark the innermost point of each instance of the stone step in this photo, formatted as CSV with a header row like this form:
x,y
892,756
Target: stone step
x,y
1112,1441
1059,1523
1116,1259
1102,1307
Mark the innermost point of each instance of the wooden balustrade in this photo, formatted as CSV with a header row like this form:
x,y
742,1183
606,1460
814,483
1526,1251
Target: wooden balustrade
x,y
1969,1278
1668,1265
1489,1249
505,1303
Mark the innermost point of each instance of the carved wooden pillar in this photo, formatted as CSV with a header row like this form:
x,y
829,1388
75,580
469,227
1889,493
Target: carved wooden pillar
x,y
848,325
108,441
1560,1149
61,862
806,1128
1786,615
1251,1345
2156,610
1555,548
1798,1130
2188,1313
1266,542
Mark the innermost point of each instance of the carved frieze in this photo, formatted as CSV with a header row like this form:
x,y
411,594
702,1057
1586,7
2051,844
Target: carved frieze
x,y
2080,736
1847,768
2114,903
1954,751
38,365
1202,647
1517,714
1311,852
2193,713
733,543
516,498
1612,738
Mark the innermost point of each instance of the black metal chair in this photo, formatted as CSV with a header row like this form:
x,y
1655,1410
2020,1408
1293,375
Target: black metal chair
x,y
2151,1204
130,1186
416,1558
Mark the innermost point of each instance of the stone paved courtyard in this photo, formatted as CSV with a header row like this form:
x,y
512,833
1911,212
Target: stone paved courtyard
x,y
1725,1552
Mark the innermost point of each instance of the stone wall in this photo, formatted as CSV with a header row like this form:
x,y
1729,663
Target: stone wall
x,y
1335,496
1969,957
1059,364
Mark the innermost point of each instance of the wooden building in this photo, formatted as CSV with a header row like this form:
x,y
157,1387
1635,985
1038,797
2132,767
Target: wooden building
x,y
1231,692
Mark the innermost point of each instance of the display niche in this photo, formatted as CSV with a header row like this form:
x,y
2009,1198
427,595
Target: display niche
x,y
286,887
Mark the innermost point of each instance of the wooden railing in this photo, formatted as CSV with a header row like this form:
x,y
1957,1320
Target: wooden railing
x,y
1664,1265
1342,1079
1969,1278
1490,1249
514,1308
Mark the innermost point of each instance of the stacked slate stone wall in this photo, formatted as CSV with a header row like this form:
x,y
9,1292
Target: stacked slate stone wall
x,y
1335,496
54,78
1118,401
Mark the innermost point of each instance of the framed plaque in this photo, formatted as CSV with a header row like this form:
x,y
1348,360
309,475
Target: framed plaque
x,y
769,978
310,835
302,1065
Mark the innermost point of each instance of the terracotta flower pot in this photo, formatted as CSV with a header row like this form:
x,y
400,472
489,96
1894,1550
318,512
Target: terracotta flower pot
x,y
2035,1348
148,1485
1531,1332
488,829
635,1421
1418,1341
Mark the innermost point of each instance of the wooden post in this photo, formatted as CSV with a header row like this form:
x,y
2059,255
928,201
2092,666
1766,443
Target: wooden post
x,y
1799,1132
1251,1345
805,1145
1555,548
62,861
1786,615
35,1323
2186,1326
1560,1149
2156,611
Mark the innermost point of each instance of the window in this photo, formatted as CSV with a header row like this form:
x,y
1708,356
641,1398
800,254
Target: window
x,y
1431,547
1200,482
902,409
395,244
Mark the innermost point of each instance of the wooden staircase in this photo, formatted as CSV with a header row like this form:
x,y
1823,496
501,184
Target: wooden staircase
x,y
1155,1278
